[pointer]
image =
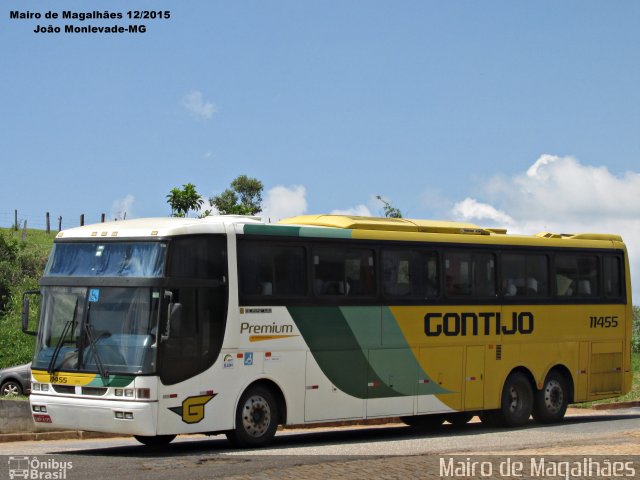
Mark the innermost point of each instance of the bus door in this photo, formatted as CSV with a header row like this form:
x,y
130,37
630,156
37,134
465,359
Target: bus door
x,y
474,378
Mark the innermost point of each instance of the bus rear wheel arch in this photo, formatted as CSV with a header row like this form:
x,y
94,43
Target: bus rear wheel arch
x,y
551,401
257,417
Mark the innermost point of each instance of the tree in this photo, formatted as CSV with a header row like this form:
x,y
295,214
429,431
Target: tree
x,y
389,210
183,200
243,198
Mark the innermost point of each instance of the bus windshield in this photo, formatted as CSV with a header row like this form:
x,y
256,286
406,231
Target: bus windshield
x,y
104,330
107,259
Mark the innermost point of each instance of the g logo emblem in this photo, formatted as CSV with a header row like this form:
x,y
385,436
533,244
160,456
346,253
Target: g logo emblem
x,y
192,409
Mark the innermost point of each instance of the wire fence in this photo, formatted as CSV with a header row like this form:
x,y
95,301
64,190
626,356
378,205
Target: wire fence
x,y
47,221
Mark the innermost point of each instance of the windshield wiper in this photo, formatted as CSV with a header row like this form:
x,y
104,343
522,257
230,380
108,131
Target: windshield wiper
x,y
65,331
104,373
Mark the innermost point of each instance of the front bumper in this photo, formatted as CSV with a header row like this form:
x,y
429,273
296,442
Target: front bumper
x,y
109,416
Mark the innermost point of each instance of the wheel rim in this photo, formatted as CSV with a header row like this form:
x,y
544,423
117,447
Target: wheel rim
x,y
10,389
256,416
553,396
514,400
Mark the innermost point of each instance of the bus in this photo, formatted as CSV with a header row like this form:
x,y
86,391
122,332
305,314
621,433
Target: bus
x,y
226,324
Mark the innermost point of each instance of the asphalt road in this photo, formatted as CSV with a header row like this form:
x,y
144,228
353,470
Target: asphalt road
x,y
389,451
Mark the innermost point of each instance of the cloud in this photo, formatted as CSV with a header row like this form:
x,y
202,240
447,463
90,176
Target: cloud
x,y
358,210
122,208
470,209
561,188
194,102
561,195
282,202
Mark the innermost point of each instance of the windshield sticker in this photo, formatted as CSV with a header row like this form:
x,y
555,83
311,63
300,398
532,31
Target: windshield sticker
x,y
94,294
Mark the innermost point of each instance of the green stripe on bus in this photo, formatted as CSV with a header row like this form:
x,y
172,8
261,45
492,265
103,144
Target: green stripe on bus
x,y
347,343
338,353
289,231
112,381
390,356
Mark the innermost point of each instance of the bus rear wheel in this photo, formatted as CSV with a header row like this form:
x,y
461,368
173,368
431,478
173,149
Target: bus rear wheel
x,y
517,400
155,441
256,418
551,402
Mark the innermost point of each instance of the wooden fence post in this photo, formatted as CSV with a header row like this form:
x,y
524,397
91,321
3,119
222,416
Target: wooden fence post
x,y
48,223
15,220
102,218
60,223
82,220
24,231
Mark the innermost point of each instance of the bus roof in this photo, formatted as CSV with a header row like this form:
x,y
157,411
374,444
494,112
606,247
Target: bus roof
x,y
336,226
446,231
156,227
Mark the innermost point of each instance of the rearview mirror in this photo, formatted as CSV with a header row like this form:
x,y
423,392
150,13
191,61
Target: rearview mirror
x,y
25,312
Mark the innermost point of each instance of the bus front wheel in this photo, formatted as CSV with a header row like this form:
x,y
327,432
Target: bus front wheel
x,y
551,402
256,418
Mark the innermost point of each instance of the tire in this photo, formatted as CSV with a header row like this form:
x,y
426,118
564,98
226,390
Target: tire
x,y
517,400
257,419
459,418
155,441
551,402
424,421
10,389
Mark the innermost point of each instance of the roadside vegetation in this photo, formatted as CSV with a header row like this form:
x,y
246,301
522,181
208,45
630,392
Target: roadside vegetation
x,y
22,262
21,265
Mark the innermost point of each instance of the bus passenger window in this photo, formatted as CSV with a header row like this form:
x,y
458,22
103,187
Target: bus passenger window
x,y
612,277
271,270
470,274
344,272
524,275
409,274
576,275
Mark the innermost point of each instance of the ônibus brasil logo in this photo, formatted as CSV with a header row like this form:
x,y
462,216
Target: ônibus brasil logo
x,y
36,468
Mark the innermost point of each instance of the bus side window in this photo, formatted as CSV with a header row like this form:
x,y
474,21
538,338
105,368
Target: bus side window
x,y
271,270
524,275
576,275
344,272
410,274
470,274
612,277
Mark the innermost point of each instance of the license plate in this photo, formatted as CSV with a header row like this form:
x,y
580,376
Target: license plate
x,y
42,418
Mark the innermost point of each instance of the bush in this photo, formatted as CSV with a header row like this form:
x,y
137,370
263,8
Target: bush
x,y
21,264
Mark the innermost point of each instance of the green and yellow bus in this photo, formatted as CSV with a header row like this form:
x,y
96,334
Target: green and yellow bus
x,y
160,327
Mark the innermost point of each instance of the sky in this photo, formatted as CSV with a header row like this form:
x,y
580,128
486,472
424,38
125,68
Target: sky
x,y
524,115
